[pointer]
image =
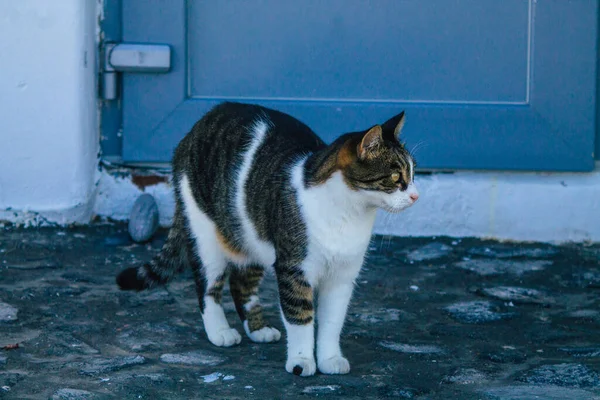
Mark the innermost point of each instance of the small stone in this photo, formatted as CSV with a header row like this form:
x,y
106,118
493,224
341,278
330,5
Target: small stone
x,y
143,220
8,313
411,349
102,365
72,394
2,360
531,392
321,389
197,357
584,352
474,312
518,295
568,375
228,377
211,377
495,267
429,252
466,376
414,288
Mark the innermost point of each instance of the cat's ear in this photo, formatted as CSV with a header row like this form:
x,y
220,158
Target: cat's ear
x,y
393,126
370,142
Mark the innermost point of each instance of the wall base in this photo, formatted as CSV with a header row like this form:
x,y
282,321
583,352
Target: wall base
x,y
507,206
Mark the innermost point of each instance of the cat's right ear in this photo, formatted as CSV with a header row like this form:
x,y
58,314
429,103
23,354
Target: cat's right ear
x,y
370,143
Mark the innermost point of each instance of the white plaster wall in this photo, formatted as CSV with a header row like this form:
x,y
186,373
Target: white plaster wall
x,y
48,123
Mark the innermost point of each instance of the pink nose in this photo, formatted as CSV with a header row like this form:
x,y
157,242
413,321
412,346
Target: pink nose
x,y
414,197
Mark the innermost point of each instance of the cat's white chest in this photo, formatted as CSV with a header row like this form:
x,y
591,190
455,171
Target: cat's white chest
x,y
338,231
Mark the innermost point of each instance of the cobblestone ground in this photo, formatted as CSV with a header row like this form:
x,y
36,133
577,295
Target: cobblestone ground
x,y
432,318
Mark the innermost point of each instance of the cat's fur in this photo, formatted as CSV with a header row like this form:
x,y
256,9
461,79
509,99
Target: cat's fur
x,y
255,189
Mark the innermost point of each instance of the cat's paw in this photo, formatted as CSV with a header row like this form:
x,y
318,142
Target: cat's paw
x,y
226,337
301,366
263,335
334,365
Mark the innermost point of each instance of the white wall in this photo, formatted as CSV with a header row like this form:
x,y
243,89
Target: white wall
x,y
48,113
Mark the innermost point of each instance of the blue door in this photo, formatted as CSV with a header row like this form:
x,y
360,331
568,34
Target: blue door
x,y
486,84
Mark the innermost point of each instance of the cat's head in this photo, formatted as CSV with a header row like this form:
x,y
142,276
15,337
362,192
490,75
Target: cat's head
x,y
376,164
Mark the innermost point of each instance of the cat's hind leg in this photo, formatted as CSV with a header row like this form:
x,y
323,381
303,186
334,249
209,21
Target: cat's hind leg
x,y
209,266
244,283
209,275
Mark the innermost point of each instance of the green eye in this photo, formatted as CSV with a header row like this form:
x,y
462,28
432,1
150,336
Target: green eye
x,y
395,176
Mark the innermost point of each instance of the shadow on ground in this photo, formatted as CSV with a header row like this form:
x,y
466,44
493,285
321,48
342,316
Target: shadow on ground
x,y
432,318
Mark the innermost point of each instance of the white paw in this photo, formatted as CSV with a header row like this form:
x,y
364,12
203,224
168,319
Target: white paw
x,y
334,365
301,366
226,337
263,335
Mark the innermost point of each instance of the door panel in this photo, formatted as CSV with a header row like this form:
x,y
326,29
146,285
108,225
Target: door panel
x,y
485,84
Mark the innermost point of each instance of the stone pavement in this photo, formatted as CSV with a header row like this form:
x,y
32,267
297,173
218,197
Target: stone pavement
x,y
432,318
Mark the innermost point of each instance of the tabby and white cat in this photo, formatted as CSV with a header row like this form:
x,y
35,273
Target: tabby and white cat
x,y
256,188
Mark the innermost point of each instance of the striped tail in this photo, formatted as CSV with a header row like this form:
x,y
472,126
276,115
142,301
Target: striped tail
x,y
162,268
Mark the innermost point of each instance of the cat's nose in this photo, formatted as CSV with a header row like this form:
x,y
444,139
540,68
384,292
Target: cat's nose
x,y
414,197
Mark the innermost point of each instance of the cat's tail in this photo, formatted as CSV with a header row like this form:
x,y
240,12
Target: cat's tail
x,y
169,262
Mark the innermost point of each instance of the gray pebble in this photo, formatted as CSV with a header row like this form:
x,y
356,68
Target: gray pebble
x,y
143,220
8,313
486,267
429,252
518,295
474,312
102,365
411,348
72,394
193,358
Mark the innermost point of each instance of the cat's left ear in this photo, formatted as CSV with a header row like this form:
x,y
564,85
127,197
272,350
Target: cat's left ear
x,y
393,126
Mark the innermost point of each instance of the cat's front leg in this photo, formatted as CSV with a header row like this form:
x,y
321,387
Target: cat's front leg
x,y
334,297
296,297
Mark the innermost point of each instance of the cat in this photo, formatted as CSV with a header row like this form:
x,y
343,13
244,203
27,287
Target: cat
x,y
255,189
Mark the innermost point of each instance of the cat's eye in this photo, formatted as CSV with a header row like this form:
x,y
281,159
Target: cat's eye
x,y
395,176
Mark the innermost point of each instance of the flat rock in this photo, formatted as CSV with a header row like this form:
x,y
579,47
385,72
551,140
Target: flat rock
x,y
518,295
568,375
34,264
505,355
474,312
197,357
321,389
8,313
530,392
430,251
466,376
584,352
512,251
72,394
411,348
486,267
382,315
102,365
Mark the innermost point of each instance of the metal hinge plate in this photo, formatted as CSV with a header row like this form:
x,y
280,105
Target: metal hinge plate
x,y
132,58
